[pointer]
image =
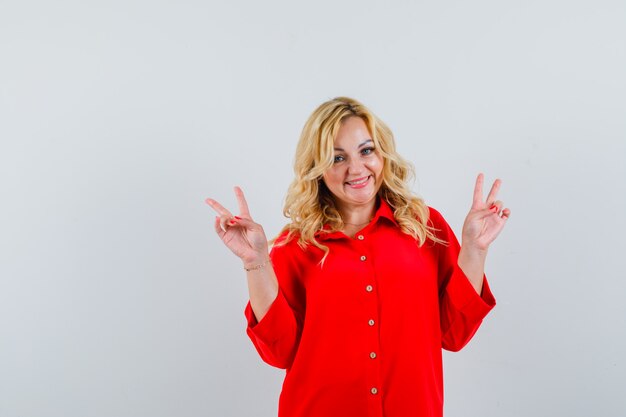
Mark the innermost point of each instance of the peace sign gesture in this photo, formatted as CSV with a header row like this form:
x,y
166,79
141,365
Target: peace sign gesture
x,y
486,219
240,234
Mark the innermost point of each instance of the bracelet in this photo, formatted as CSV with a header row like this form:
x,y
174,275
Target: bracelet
x,y
259,266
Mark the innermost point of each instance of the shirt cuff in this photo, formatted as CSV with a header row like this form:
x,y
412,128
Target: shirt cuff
x,y
464,297
277,322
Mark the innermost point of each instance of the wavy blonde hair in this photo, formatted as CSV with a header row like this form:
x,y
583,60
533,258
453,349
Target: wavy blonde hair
x,y
310,205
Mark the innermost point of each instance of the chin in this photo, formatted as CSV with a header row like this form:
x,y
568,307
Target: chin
x,y
362,200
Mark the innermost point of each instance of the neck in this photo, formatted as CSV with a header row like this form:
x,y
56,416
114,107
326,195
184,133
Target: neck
x,y
358,215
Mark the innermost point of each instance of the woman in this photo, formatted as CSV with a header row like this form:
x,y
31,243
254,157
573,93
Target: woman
x,y
366,284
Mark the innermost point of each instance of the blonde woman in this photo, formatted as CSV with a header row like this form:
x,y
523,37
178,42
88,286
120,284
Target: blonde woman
x,y
366,284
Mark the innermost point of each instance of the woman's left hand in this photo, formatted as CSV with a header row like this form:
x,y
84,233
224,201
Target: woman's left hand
x,y
486,219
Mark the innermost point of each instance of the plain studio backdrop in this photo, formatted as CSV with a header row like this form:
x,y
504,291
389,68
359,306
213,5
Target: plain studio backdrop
x,y
118,118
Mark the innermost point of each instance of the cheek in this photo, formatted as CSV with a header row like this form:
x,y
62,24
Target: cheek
x,y
331,177
376,166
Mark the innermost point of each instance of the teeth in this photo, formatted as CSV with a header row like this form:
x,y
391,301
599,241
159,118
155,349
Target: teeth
x,y
359,181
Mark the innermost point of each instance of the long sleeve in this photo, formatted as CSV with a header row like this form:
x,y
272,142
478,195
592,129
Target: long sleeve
x,y
277,335
361,335
462,309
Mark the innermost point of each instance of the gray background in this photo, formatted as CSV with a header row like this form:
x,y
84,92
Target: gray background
x,y
118,118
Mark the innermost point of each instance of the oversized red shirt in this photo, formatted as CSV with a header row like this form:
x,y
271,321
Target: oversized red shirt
x,y
361,336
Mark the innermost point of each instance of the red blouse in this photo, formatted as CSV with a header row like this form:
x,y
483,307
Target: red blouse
x,y
361,336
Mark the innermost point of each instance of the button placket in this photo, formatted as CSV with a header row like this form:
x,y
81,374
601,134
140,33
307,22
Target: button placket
x,y
370,308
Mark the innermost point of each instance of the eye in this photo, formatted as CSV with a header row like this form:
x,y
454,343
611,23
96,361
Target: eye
x,y
338,158
367,151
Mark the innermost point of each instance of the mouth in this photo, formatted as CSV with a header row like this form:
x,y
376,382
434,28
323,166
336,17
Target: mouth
x,y
359,182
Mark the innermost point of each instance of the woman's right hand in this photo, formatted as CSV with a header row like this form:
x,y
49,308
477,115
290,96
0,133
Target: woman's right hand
x,y
241,234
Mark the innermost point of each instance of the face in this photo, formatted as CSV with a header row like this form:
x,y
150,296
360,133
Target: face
x,y
356,174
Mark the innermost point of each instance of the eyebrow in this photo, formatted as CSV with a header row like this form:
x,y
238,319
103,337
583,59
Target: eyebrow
x,y
358,147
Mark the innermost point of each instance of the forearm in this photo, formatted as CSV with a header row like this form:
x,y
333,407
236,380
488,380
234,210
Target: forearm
x,y
263,288
472,263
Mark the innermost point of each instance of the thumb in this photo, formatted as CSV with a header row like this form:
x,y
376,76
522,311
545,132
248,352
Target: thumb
x,y
247,223
481,214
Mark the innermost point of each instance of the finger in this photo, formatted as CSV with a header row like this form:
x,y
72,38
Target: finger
x,y
226,222
243,204
493,209
494,191
218,227
221,210
506,213
243,222
496,206
478,191
481,214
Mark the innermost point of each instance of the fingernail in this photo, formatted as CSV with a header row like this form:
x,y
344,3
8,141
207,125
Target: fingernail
x,y
231,222
493,208
237,217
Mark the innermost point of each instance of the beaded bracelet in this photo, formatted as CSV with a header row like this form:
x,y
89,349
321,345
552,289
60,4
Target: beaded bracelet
x,y
259,266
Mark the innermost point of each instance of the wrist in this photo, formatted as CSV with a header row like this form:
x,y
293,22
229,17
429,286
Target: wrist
x,y
256,265
472,253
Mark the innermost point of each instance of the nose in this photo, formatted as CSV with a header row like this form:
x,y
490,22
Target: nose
x,y
355,166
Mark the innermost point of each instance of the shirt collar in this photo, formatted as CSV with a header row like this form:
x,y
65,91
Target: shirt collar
x,y
384,211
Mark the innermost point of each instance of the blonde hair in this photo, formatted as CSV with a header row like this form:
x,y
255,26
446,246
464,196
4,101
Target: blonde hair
x,y
310,205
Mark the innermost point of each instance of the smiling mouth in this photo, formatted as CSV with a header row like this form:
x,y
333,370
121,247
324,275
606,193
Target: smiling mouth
x,y
358,182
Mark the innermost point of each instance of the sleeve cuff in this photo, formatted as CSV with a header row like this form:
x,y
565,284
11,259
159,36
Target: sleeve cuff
x,y
465,299
277,322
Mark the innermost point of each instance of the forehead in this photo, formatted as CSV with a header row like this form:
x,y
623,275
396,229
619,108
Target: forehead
x,y
352,130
